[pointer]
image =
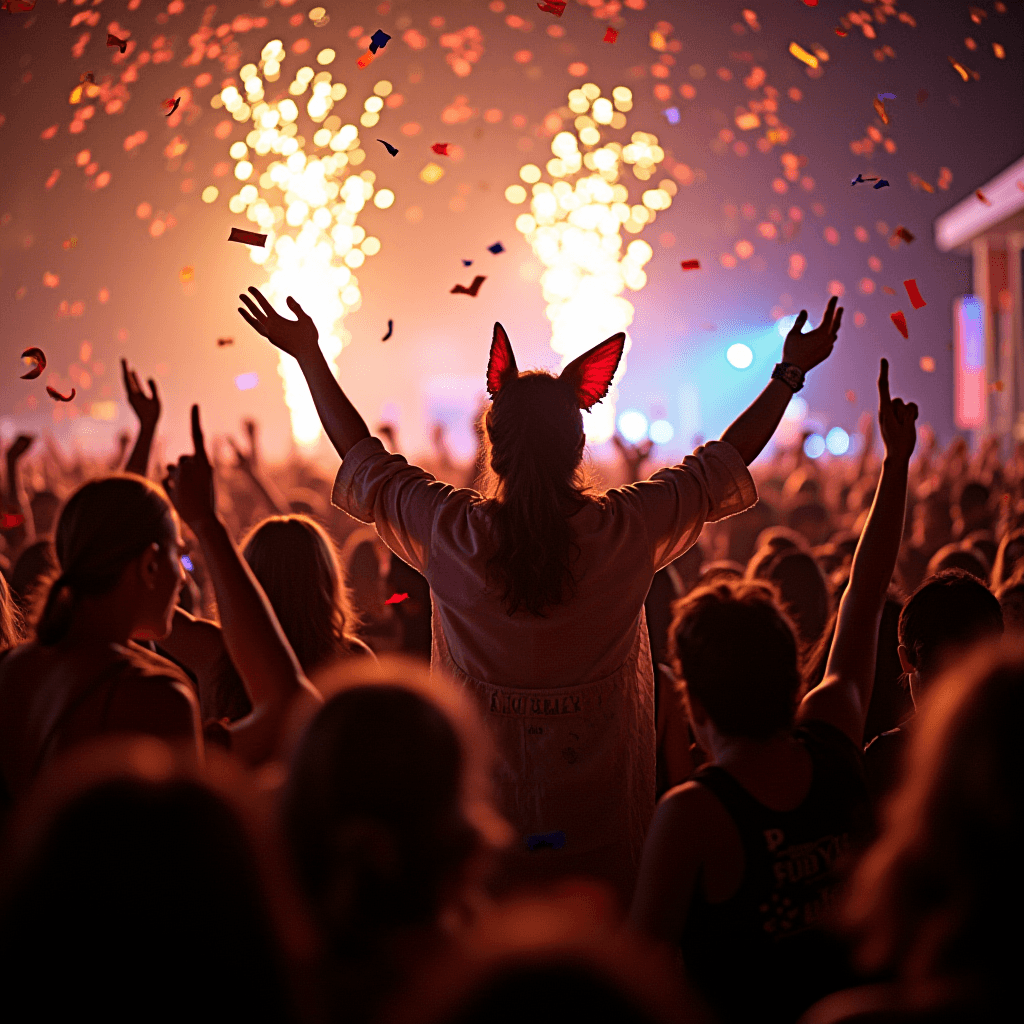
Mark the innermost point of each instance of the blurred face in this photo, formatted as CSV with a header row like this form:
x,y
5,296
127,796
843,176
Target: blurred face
x,y
163,576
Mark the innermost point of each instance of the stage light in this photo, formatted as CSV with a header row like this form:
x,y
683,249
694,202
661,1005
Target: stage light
x,y
661,432
837,441
633,425
308,200
739,355
796,411
814,446
785,324
574,228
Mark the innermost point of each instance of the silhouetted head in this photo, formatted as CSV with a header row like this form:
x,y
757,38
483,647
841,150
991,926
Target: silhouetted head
x,y
939,892
135,893
110,527
955,556
535,441
803,590
945,614
736,651
296,564
387,806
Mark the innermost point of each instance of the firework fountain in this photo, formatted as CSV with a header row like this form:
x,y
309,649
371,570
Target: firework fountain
x,y
574,227
307,197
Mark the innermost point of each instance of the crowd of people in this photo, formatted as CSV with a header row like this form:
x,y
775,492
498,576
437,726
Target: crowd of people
x,y
491,741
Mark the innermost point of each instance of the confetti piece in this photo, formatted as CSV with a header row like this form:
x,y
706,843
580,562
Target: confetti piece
x,y
965,73
880,110
9,520
902,233
187,563
248,237
221,342
496,248
881,183
378,40
58,397
690,264
366,59
887,95
325,20
467,263
387,145
915,296
397,599
927,364
900,321
886,290
461,289
18,6
112,40
671,115
186,274
391,328
918,182
38,355
546,841
555,7
172,104
841,32
997,49
440,148
246,381
611,34
810,3
801,54
984,198
851,396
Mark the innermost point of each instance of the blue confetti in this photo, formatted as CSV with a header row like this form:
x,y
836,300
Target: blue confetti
x,y
378,40
496,248
467,263
187,563
672,115
546,841
246,381
882,183
887,95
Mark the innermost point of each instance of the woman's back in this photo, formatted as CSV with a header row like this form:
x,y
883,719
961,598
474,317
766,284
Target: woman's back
x,y
54,697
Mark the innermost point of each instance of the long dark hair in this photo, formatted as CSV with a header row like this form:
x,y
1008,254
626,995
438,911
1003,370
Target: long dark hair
x,y
534,445
105,525
10,617
297,566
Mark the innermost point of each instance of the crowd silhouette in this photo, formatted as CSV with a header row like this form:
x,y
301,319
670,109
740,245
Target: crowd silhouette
x,y
459,743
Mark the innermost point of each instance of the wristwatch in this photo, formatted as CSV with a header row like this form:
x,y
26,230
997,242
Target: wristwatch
x,y
790,374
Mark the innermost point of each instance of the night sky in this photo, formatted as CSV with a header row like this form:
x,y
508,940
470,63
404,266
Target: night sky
x,y
107,248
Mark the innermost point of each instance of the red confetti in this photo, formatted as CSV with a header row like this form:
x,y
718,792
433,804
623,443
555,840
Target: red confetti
x,y
461,289
397,599
901,233
58,397
171,105
440,148
810,3
18,6
366,59
915,296
9,520
40,358
841,32
221,342
900,321
611,34
248,237
690,264
555,7
112,40
984,198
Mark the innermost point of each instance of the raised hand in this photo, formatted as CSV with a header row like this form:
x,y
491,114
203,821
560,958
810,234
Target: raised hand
x,y
896,420
807,350
189,484
296,337
146,407
20,445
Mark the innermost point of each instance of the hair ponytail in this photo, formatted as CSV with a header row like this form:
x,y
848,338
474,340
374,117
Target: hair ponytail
x,y
105,525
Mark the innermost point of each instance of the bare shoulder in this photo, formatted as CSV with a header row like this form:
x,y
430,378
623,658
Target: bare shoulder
x,y
691,806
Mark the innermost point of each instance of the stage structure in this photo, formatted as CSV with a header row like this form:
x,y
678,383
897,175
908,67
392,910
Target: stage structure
x,y
988,226
306,199
574,228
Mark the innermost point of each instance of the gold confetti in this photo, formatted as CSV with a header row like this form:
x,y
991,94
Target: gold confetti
x,y
808,58
186,274
998,50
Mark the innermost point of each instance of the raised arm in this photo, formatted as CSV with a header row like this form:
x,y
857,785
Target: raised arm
x,y
754,428
15,501
299,338
264,659
248,463
842,698
147,410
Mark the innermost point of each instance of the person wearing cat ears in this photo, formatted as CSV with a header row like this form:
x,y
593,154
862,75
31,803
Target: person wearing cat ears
x,y
538,589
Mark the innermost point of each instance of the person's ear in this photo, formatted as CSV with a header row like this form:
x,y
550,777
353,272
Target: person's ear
x,y
905,663
501,365
590,375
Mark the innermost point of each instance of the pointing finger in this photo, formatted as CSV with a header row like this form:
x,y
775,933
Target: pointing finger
x,y
197,435
830,310
267,307
837,320
801,319
883,384
152,390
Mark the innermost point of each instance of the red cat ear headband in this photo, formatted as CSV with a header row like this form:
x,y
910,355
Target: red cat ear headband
x,y
589,375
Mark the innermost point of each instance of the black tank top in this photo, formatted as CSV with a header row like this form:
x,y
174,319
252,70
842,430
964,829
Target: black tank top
x,y
763,954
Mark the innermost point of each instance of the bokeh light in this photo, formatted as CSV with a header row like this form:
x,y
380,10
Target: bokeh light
x,y
574,226
661,432
739,355
814,446
303,192
633,425
837,441
796,411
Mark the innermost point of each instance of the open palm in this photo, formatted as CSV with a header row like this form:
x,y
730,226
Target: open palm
x,y
296,337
